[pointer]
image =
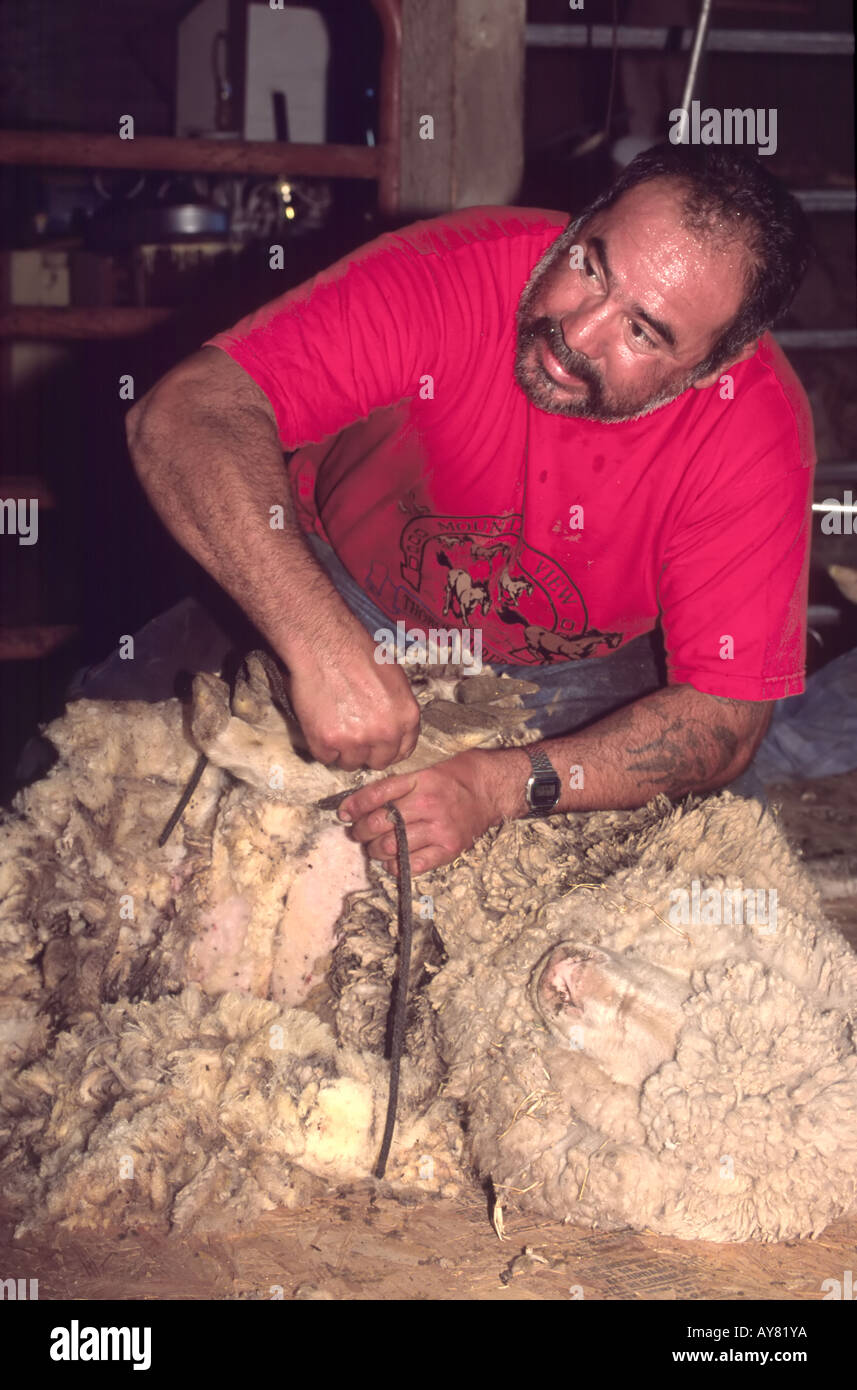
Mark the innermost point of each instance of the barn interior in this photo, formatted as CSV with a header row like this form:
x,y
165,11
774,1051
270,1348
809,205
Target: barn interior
x,y
121,256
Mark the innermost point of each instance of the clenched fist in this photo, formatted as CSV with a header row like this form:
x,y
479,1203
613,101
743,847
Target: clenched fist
x,y
354,711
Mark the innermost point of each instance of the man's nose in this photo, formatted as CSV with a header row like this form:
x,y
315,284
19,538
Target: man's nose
x,y
585,329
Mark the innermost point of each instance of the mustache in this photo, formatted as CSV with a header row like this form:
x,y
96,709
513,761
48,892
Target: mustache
x,y
549,331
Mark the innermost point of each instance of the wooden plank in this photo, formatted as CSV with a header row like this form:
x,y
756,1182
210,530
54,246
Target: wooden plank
x,y
32,321
31,643
27,485
79,149
426,166
463,66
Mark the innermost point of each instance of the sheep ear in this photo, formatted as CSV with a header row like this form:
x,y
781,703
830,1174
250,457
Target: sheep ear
x,y
209,713
252,695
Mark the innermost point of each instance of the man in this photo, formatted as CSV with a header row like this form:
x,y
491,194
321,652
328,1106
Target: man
x,y
561,436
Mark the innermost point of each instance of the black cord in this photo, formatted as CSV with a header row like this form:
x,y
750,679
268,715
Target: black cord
x,y
406,933
193,783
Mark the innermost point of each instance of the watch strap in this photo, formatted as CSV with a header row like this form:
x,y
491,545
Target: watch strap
x,y
541,762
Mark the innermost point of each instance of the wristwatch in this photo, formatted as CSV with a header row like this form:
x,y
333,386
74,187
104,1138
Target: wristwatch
x,y
544,787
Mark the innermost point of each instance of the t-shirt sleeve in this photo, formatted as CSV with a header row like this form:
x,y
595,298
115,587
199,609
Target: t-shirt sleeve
x,y
733,585
359,336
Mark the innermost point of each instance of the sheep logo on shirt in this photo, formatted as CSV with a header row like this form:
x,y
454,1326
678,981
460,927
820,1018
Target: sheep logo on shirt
x,y
475,566
551,646
510,589
469,594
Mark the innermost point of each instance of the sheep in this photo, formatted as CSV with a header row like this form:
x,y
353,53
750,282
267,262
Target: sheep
x,y
92,910
195,1112
619,1069
571,1038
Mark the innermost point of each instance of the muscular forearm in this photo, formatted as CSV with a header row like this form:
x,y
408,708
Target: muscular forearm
x,y
676,740
213,473
206,446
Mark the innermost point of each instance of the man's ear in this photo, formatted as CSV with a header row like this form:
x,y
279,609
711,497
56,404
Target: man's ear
x,y
710,379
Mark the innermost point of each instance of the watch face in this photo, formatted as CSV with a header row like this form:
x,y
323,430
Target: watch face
x,y
543,791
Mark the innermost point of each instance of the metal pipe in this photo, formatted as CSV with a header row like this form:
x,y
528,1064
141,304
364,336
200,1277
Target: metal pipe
x,y
696,53
826,199
798,42
816,337
833,472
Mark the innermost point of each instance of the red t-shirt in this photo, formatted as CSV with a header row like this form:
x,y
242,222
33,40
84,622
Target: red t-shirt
x,y
454,501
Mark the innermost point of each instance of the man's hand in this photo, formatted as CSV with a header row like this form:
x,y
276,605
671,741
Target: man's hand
x,y
445,809
674,741
354,711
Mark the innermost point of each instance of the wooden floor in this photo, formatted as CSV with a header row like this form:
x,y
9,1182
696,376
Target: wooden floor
x,y
364,1246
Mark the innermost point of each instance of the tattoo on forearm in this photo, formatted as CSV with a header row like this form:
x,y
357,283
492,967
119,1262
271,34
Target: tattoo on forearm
x,y
689,751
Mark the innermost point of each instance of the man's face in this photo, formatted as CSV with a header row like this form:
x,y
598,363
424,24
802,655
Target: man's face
x,y
623,334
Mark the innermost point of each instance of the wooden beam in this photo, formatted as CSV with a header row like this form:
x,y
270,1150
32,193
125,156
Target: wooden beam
x,y
68,150
33,321
463,66
27,485
31,643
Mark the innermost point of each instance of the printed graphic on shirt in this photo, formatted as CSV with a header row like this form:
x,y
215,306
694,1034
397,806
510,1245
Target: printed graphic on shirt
x,y
476,567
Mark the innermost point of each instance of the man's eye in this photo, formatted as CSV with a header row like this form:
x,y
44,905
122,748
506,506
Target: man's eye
x,y
641,336
589,269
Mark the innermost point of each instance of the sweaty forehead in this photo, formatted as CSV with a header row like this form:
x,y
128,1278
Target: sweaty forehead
x,y
652,218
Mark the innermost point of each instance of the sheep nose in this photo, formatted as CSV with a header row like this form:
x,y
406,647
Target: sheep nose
x,y
569,976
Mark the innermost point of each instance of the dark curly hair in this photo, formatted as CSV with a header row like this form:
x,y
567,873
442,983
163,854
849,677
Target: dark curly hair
x,y
728,193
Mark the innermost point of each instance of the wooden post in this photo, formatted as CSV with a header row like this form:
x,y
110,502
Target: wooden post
x,y
462,103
